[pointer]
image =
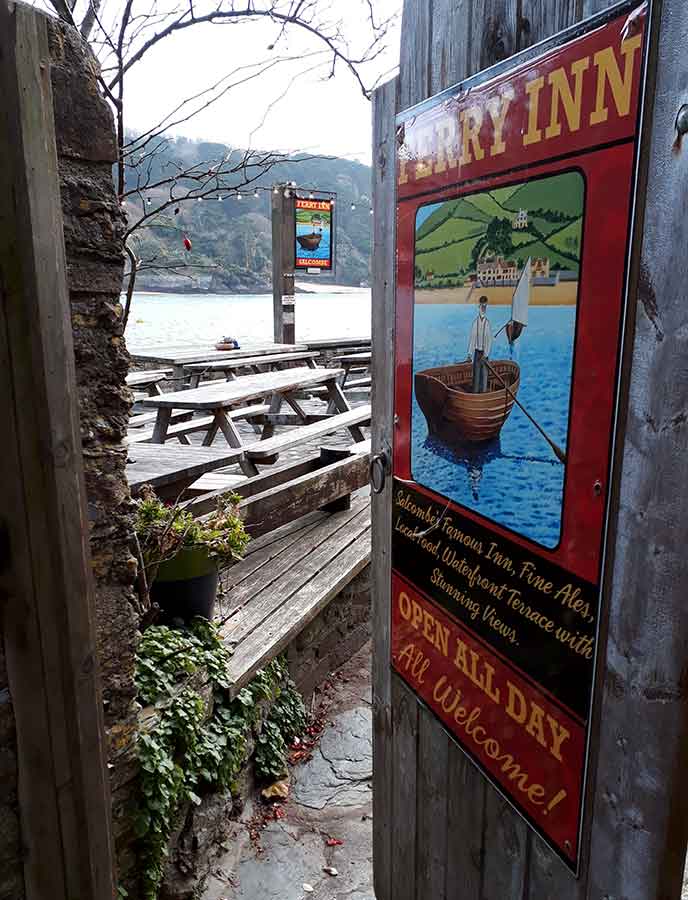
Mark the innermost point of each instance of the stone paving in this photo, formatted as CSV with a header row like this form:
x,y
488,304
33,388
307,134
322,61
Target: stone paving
x,y
330,798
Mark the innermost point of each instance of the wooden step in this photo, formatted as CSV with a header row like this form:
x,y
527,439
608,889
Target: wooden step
x,y
278,598
305,433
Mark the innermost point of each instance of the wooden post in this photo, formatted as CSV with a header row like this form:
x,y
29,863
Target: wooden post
x,y
283,264
46,583
441,830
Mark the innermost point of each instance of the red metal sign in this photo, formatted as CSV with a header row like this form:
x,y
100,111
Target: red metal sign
x,y
513,232
313,234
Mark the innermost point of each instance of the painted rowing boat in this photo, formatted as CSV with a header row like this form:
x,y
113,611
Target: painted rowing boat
x,y
454,413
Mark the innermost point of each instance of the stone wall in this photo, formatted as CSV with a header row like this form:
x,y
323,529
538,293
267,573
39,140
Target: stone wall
x,y
93,232
332,638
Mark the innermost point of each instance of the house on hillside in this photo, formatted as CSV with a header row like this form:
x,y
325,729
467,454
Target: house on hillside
x,y
520,223
496,270
539,267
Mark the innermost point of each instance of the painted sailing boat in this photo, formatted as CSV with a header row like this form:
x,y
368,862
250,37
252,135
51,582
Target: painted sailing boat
x,y
453,412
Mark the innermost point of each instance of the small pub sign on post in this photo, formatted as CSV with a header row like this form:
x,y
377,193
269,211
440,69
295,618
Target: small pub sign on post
x,y
514,216
313,238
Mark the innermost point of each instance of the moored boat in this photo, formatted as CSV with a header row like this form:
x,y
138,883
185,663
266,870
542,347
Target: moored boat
x,y
454,413
309,241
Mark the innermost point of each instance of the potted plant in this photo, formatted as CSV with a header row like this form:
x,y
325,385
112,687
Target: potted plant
x,y
180,556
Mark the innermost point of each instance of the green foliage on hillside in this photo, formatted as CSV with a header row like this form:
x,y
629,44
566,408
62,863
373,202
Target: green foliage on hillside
x,y
566,198
457,233
231,239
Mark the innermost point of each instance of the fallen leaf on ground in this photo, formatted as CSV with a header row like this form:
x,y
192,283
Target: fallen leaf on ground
x,y
276,792
334,842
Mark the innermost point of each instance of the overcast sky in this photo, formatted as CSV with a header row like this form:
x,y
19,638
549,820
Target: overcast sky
x,y
325,116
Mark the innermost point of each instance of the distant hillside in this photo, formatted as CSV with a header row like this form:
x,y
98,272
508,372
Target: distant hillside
x,y
234,236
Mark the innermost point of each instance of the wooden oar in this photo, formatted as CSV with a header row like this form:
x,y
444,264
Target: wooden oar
x,y
558,452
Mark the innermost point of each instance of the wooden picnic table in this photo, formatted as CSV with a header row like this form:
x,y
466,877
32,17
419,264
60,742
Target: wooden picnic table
x,y
229,366
220,397
353,361
172,469
178,357
147,381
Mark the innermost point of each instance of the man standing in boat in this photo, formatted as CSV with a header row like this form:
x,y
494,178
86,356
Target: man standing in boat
x,y
479,346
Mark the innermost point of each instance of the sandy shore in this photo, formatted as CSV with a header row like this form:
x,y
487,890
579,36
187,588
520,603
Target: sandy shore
x,y
564,294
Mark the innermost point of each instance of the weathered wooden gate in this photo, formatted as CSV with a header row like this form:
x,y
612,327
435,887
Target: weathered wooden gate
x,y
441,830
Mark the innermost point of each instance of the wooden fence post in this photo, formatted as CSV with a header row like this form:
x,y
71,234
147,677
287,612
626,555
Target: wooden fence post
x,y
46,586
283,305
441,831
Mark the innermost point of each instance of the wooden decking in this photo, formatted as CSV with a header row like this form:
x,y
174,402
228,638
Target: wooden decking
x,y
288,576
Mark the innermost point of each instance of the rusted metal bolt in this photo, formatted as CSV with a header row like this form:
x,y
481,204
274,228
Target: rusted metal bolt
x,y
682,120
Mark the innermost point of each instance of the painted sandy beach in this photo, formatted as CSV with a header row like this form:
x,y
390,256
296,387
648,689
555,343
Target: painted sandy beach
x,y
562,294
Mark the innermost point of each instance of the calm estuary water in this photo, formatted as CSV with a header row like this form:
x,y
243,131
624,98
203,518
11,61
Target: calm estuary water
x,y
515,480
192,319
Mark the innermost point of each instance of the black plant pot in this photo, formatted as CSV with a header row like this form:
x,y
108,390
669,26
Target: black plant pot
x,y
186,586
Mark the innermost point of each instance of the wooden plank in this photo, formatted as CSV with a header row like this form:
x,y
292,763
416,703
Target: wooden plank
x,y
282,627
138,420
404,793
278,505
305,433
46,580
260,483
266,359
494,33
505,850
431,807
352,359
200,423
291,571
415,62
541,18
159,465
451,29
219,394
326,525
384,191
260,555
143,379
640,820
466,792
216,481
178,356
336,343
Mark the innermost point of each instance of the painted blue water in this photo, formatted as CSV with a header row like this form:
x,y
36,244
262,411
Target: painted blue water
x,y
323,250
515,480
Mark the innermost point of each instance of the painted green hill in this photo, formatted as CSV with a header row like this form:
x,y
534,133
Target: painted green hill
x,y
564,198
452,209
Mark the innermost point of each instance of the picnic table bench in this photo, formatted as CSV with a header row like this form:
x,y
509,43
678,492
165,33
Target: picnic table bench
x,y
220,400
170,470
286,578
229,366
353,362
148,381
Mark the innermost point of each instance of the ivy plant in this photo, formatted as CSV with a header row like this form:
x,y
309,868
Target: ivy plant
x,y
189,751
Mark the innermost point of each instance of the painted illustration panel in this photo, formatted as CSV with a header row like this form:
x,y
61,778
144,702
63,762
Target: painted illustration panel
x,y
313,238
495,292
514,216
